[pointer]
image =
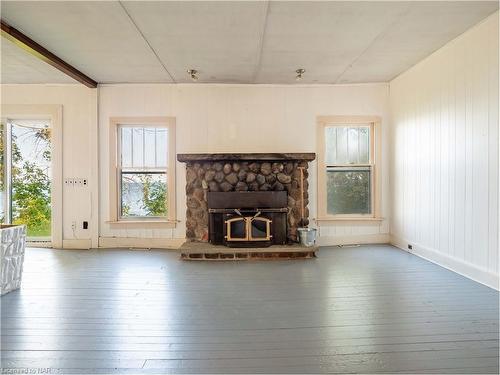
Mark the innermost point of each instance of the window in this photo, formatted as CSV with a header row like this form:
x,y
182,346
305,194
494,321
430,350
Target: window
x,y
52,116
26,176
143,170
347,168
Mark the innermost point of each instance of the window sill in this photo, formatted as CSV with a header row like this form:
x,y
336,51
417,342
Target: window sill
x,y
159,224
357,219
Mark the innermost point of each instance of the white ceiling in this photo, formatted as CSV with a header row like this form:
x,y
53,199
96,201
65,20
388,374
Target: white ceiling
x,y
233,41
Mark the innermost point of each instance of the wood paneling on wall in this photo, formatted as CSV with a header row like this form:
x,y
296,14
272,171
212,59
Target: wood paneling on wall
x,y
444,156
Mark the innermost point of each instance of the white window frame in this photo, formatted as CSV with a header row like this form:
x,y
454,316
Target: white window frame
x,y
374,163
116,123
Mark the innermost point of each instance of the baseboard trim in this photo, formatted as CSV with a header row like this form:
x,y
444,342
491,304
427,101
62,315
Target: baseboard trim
x,y
459,266
42,245
348,240
140,243
77,244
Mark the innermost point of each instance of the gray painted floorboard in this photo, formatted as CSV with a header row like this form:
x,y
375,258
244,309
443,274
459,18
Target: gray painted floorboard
x,y
372,309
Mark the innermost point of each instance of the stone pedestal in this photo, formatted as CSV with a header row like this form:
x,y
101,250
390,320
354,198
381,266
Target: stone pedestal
x,y
13,239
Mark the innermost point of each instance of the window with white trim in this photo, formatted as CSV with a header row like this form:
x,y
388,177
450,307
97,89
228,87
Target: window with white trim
x,y
143,188
143,171
347,169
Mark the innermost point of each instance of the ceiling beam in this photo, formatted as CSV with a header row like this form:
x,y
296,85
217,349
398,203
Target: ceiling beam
x,y
32,47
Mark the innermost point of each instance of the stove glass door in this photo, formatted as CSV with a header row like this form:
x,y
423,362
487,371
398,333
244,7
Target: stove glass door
x,y
260,229
237,229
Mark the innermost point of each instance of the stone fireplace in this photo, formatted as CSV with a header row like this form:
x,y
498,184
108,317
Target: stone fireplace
x,y
254,172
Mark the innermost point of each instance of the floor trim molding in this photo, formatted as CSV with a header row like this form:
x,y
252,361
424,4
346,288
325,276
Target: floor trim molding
x,y
141,243
77,244
459,266
356,239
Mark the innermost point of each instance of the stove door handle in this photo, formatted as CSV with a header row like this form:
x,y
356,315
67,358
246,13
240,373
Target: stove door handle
x,y
257,214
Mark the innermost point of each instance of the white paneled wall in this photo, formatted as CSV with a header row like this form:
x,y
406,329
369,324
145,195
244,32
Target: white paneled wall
x,y
444,157
244,118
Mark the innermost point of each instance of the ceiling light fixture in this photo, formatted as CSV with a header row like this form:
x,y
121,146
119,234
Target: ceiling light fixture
x,y
300,72
193,73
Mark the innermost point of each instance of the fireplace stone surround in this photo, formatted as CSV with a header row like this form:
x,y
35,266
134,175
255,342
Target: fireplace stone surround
x,y
244,172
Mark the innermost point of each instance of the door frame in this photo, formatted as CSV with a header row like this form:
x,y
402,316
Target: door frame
x,y
54,113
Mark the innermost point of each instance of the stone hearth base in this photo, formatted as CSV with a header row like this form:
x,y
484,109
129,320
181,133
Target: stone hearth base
x,y
203,251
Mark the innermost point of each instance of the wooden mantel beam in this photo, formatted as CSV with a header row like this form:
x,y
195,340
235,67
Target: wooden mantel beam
x,y
305,156
30,46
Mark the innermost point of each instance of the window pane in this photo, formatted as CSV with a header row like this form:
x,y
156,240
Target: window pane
x,y
347,145
352,144
126,146
330,145
143,194
364,145
138,147
150,144
143,147
336,145
161,148
348,190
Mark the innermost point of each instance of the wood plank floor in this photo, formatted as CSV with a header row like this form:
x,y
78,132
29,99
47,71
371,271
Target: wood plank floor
x,y
366,310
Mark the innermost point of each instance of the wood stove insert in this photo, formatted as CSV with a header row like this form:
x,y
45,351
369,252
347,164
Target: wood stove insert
x,y
247,219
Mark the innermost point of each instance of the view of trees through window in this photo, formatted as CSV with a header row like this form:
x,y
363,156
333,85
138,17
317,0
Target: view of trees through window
x,y
144,194
30,176
348,191
143,176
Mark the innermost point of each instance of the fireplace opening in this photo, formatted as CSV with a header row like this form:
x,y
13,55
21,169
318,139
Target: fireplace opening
x,y
247,219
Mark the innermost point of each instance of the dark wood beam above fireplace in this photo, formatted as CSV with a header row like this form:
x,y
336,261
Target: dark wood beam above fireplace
x,y
307,156
32,47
